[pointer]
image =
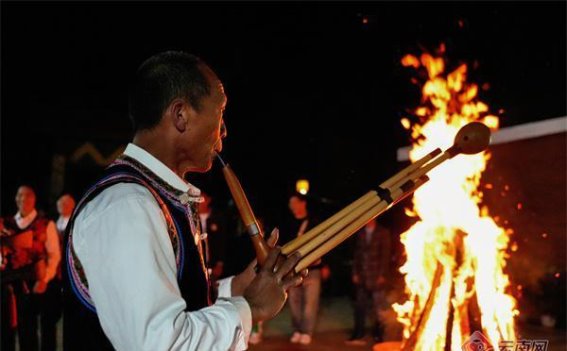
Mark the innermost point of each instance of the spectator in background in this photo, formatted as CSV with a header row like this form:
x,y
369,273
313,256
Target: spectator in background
x,y
51,305
32,256
65,207
304,299
213,225
369,275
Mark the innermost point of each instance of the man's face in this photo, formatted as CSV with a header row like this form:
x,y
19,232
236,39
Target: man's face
x,y
25,200
206,128
65,205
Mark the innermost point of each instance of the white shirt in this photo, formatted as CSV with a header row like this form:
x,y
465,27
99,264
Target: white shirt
x,y
52,247
61,224
121,239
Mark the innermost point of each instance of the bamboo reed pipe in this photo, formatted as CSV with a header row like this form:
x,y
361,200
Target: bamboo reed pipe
x,y
409,169
339,225
340,236
316,238
398,194
425,169
301,240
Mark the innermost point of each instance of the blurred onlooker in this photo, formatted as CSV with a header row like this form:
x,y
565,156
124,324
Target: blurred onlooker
x,y
304,299
65,207
32,253
369,275
214,227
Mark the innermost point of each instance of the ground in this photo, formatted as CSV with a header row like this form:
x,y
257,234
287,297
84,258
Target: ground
x,y
335,323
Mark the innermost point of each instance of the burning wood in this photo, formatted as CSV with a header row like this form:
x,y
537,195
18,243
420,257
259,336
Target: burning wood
x,y
455,252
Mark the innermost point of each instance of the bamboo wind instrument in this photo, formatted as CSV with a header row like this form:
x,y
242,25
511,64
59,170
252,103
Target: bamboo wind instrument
x,y
471,139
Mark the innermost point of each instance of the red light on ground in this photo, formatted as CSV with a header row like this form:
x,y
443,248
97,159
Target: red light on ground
x,y
364,20
519,206
557,275
488,186
544,235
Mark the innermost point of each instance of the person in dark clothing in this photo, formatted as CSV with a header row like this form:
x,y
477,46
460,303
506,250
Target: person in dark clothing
x,y
369,275
24,271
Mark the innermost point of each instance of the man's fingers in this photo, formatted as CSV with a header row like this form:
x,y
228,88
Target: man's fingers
x,y
252,265
291,281
271,259
288,265
274,236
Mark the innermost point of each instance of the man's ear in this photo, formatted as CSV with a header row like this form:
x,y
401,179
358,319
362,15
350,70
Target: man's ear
x,y
180,113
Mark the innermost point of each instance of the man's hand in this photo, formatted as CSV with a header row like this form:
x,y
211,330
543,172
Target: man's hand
x,y
241,281
266,294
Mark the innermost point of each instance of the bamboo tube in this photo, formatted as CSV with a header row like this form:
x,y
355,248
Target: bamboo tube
x,y
299,241
341,236
409,169
335,228
423,170
313,253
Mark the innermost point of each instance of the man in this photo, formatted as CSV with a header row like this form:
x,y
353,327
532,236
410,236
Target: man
x,y
137,279
65,207
51,305
370,270
30,270
304,299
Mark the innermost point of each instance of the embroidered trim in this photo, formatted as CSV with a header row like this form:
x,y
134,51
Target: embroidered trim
x,y
77,276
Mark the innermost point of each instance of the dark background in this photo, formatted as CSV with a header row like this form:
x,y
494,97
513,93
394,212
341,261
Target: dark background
x,y
315,90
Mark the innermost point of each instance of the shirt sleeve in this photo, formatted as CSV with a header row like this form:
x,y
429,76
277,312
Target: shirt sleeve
x,y
129,263
53,250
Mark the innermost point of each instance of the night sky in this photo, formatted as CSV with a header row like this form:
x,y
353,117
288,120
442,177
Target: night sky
x,y
315,90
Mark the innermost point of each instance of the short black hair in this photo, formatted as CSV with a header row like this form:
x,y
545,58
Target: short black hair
x,y
161,79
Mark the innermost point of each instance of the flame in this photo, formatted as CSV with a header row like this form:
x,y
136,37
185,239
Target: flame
x,y
456,251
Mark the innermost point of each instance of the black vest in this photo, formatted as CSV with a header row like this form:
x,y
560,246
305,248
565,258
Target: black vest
x,y
82,330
